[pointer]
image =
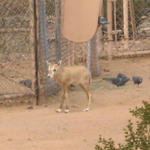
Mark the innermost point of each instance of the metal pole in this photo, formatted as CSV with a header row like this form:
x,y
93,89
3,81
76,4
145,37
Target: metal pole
x,y
43,32
89,62
125,22
58,29
109,28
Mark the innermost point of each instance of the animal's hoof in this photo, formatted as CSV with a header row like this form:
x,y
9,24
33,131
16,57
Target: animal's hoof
x,y
59,110
66,110
86,109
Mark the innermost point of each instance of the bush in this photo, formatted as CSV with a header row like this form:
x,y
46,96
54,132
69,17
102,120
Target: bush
x,y
137,136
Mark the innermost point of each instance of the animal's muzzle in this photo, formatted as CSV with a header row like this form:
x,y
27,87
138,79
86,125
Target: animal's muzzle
x,y
50,75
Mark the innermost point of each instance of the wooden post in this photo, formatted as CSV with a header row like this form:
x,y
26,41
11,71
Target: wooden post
x,y
33,4
125,21
109,28
32,40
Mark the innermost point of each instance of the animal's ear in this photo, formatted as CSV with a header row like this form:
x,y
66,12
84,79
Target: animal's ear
x,y
60,62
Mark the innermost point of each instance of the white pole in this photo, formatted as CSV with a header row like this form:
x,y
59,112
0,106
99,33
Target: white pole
x,y
125,22
109,29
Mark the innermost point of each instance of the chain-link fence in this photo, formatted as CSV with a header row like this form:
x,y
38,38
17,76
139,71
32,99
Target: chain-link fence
x,y
129,27
71,52
54,46
16,48
127,32
23,61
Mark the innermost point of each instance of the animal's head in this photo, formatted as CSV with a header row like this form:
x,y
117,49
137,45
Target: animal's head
x,y
52,68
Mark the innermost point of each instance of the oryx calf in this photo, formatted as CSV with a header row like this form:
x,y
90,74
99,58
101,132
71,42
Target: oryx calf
x,y
70,75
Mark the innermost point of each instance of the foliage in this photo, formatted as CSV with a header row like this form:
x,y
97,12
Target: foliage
x,y
137,136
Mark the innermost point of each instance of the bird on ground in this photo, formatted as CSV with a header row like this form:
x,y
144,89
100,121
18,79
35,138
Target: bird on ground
x,y
27,83
121,75
137,80
120,80
123,78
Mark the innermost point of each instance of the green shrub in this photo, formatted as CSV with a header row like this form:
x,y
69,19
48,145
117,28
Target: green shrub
x,y
137,136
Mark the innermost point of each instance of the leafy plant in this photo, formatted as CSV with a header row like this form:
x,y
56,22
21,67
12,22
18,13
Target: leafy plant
x,y
137,136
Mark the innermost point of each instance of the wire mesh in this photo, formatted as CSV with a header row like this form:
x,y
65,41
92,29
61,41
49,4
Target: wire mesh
x,y
71,53
58,47
77,53
47,46
16,48
138,28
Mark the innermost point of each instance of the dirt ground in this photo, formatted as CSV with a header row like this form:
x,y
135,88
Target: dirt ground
x,y
42,128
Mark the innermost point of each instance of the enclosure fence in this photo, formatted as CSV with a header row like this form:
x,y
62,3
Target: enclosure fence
x,y
30,35
16,49
128,31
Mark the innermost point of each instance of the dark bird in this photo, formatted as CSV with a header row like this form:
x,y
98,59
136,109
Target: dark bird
x,y
137,80
27,83
120,80
102,20
121,75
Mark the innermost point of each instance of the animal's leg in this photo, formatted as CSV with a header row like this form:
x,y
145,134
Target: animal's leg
x,y
67,109
61,101
85,87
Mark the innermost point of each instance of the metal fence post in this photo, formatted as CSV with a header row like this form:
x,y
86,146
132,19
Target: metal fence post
x,y
43,54
43,31
47,86
89,60
92,60
58,29
95,58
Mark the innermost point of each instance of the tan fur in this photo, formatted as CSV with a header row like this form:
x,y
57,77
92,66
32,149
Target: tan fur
x,y
71,75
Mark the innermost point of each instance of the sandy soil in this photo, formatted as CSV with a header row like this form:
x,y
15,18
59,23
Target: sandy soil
x,y
42,128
